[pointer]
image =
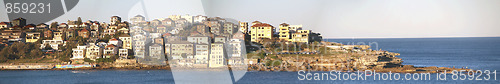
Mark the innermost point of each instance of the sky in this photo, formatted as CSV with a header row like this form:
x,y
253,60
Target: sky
x,y
331,18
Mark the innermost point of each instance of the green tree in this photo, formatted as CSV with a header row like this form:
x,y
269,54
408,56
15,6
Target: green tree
x,y
106,37
53,25
79,21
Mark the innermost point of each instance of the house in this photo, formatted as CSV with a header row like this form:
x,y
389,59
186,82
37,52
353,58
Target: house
x,y
154,35
229,28
199,39
202,53
95,26
179,49
58,35
174,17
168,22
110,50
155,22
215,27
123,53
199,19
30,27
220,39
188,18
216,57
84,26
13,35
94,51
70,33
260,31
72,24
109,31
236,51
239,35
181,22
94,33
123,30
137,19
78,54
202,29
158,40
48,34
301,36
127,41
21,22
62,26
161,29
115,20
41,27
286,31
116,42
156,52
139,45
33,36
54,44
84,33
4,25
243,27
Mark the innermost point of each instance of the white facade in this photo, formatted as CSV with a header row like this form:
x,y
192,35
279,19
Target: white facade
x,y
202,53
216,58
127,42
199,39
54,44
236,51
79,52
199,19
94,52
156,51
123,53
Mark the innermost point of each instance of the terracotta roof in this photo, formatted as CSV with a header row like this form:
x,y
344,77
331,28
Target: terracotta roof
x,y
113,39
261,25
167,34
28,26
110,45
4,23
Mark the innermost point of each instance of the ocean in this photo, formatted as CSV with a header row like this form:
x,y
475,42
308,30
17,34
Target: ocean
x,y
478,53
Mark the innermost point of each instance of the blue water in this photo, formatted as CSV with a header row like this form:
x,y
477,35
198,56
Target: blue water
x,y
475,53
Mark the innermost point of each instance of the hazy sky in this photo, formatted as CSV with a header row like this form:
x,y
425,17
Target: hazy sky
x,y
332,18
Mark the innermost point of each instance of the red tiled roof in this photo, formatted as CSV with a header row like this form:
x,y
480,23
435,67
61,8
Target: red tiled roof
x,y
113,39
28,26
84,30
261,25
4,23
167,34
111,45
